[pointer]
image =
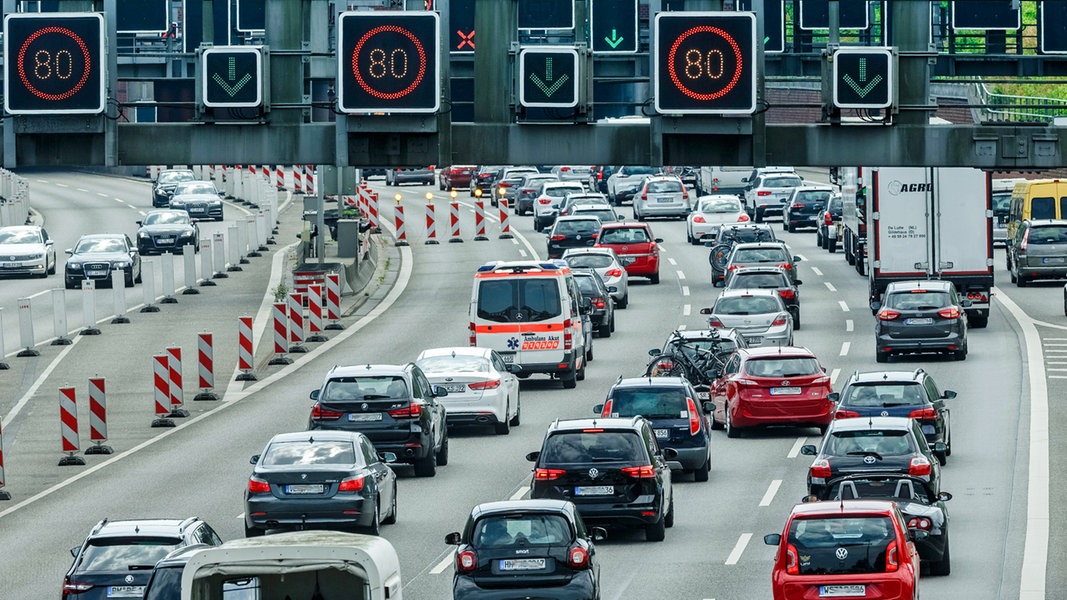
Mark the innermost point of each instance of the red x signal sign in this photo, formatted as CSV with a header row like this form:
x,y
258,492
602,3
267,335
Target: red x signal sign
x,y
465,39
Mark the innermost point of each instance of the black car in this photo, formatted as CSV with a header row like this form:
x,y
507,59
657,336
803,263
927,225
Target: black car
x,y
485,179
612,469
922,507
912,394
677,416
828,231
165,183
598,178
769,278
393,405
920,316
601,306
117,557
526,549
167,231
726,238
200,199
804,207
572,232
873,445
325,479
166,580
95,256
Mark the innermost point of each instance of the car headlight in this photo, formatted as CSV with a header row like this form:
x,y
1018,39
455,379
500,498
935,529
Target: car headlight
x,y
186,234
143,235
35,257
125,264
74,266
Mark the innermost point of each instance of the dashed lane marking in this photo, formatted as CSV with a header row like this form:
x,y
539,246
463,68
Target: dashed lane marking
x,y
833,375
522,252
849,325
101,194
118,200
772,489
673,262
844,307
739,548
519,493
681,274
82,190
795,450
816,271
829,286
687,309
441,566
845,347
685,290
681,327
62,185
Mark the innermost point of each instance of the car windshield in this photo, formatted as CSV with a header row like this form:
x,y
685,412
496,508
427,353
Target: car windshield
x,y
196,187
367,387
918,300
524,529
99,245
587,285
1047,235
1001,203
125,554
720,205
840,545
453,364
531,181
22,236
664,187
576,447
746,305
812,196
883,395
650,402
888,489
519,300
627,235
176,176
782,182
309,452
786,366
167,218
758,280
890,442
759,255
589,261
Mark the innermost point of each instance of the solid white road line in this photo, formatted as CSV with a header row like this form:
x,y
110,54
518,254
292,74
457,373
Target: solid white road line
x,y
519,493
795,450
739,547
845,346
816,271
844,307
40,380
687,309
849,325
441,566
768,496
833,375
829,286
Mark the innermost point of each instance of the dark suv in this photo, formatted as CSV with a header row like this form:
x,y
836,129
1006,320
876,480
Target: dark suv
x,y
804,207
117,558
1038,250
165,183
612,469
677,416
393,405
920,316
166,580
572,232
912,394
601,306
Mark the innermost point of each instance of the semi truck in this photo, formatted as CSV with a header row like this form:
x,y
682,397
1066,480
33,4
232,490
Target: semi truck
x,y
929,223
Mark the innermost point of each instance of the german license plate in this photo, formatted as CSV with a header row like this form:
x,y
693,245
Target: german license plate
x,y
507,357
196,209
522,564
166,240
662,434
594,490
785,391
125,591
363,417
704,395
665,199
1052,260
96,273
455,388
304,488
626,261
919,321
754,340
842,591
10,265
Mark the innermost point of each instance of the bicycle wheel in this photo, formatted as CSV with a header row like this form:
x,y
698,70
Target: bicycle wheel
x,y
720,255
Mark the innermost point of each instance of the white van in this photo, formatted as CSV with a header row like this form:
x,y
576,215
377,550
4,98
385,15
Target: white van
x,y
297,564
531,314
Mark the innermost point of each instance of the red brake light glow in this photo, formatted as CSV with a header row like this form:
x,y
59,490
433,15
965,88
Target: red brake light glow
x,y
557,237
778,322
75,587
924,414
614,273
694,417
715,323
578,558
949,313
892,562
607,408
845,414
787,294
920,523
473,337
258,486
827,218
763,193
351,484
742,217
548,474
492,384
887,315
466,561
698,219
411,411
791,566
318,413
642,472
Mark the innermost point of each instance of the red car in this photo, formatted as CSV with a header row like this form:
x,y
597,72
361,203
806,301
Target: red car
x,y
635,246
772,386
845,549
456,177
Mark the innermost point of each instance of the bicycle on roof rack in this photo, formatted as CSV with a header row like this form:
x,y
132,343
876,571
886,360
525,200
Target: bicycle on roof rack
x,y
682,358
720,251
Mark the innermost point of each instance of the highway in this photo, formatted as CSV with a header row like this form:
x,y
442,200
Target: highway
x,y
1004,473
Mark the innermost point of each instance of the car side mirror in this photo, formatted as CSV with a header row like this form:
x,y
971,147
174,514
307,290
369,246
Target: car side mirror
x,y
798,282
653,351
452,539
533,456
705,311
833,397
69,252
74,551
669,453
875,305
772,539
314,395
140,223
659,240
598,408
387,457
439,391
808,450
944,496
49,243
797,259
254,459
810,498
598,534
939,447
948,394
709,406
612,288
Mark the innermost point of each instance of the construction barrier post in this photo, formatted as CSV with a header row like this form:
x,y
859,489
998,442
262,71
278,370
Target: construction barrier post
x,y
373,216
205,363
4,494
479,221
431,220
26,337
309,180
189,264
401,229
218,255
177,393
298,179
98,417
168,279
252,234
234,245
245,359
68,427
281,335
207,260
118,298
453,215
59,319
161,390
333,301
314,296
148,286
3,367
505,225
296,323
89,304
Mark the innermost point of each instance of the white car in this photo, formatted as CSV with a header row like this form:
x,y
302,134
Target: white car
x,y
768,193
758,315
26,250
711,213
482,389
546,204
606,263
661,196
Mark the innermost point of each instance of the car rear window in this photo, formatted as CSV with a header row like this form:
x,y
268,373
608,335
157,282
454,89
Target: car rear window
x,y
781,182
1001,203
587,285
758,280
747,234
589,261
624,235
650,402
1047,236
664,187
813,195
519,300
606,215
365,388
746,305
571,447
454,364
126,554
891,442
721,346
786,366
498,531
576,226
835,205
918,300
309,452
1043,208
561,191
720,205
839,545
758,255
884,395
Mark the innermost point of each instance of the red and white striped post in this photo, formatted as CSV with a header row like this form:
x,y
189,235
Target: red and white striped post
x,y
479,221
161,390
298,179
177,393
309,179
4,494
505,223
68,427
245,359
97,417
401,229
279,177
453,217
333,302
205,367
296,323
431,220
315,313
372,215
281,334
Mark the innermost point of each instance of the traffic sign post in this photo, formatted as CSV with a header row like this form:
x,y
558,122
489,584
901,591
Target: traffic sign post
x,y
613,26
548,77
705,63
54,63
232,76
546,14
388,61
864,77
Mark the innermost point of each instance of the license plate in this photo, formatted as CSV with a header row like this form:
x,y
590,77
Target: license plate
x,y
919,321
522,564
455,388
304,488
594,490
166,240
662,434
125,591
196,209
754,340
363,417
10,265
1052,260
625,261
704,395
96,273
842,591
664,199
507,358
785,391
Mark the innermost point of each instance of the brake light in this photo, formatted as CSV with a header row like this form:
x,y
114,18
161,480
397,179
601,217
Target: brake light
x,y
593,430
548,474
791,560
949,313
663,367
598,302
763,193
699,219
977,296
891,561
787,294
318,413
845,414
920,467
75,587
827,218
607,408
924,414
920,523
1026,239
258,486
600,176
694,417
568,338
544,201
778,322
466,561
351,484
742,218
786,266
715,323
614,273
820,468
578,558
505,184
887,315
644,196
558,237
492,384
473,337
642,472
411,411
796,205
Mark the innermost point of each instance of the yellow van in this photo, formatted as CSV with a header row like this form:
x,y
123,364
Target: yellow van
x,y
1036,199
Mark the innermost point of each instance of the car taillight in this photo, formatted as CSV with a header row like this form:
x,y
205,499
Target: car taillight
x,y
715,323
949,313
607,408
662,367
351,484
791,566
544,201
920,523
614,273
796,205
505,184
699,219
564,169
827,218
644,196
258,486
924,414
778,322
568,339
558,237
891,561
473,338
548,474
763,193
1026,239
887,315
920,467
694,417
820,468
578,558
598,302
75,587
466,561
411,411
600,176
492,384
642,472
787,294
786,266
845,414
483,175
977,297
318,413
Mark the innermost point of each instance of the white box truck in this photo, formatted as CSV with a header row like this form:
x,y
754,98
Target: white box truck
x,y
931,223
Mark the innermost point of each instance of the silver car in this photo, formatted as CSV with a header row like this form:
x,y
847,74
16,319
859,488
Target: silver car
x,y
606,263
758,315
768,193
26,250
661,196
481,389
1038,251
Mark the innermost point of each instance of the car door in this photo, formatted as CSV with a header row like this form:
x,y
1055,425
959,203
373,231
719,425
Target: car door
x,y
936,397
511,382
422,391
928,452
663,471
383,476
720,388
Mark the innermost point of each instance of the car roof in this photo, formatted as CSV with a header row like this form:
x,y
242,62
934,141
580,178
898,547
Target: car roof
x,y
594,423
727,293
530,505
700,334
1047,222
760,269
34,228
321,435
887,376
102,236
456,351
566,218
367,369
651,382
859,423
922,284
764,244
762,351
830,508
626,225
567,184
141,528
815,188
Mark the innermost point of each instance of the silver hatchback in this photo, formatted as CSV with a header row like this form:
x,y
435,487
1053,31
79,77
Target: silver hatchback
x,y
758,315
1038,251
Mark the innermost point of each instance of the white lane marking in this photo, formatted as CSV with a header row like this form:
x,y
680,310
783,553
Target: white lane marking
x,y
768,496
101,194
833,375
681,327
844,307
1055,362
522,252
515,241
795,450
681,274
673,262
37,384
845,346
849,325
1056,370
1057,376
685,290
82,190
687,309
1056,339
32,296
739,547
829,286
240,516
816,271
441,566
519,493
62,185
119,200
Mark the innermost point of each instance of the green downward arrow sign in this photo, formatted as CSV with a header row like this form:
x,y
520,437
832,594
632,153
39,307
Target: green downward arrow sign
x,y
614,40
232,89
545,86
862,90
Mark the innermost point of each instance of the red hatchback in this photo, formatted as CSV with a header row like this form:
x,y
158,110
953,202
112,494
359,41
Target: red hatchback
x,y
772,386
636,248
845,549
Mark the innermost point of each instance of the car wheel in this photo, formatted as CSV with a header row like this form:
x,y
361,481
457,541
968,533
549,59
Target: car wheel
x,y
604,330
656,532
943,566
960,354
426,466
668,519
503,427
820,241
52,269
580,374
731,431
589,353
831,245
138,278
253,532
1020,280
375,527
715,424
881,356
129,279
758,217
442,454
391,519
654,278
626,300
612,329
790,227
516,420
703,473
569,380
796,320
823,428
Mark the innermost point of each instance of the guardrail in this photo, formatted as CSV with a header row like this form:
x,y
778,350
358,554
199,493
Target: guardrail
x,y
14,199
1007,108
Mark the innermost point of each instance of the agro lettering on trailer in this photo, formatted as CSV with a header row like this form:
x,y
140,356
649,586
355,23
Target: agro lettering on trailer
x,y
899,187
